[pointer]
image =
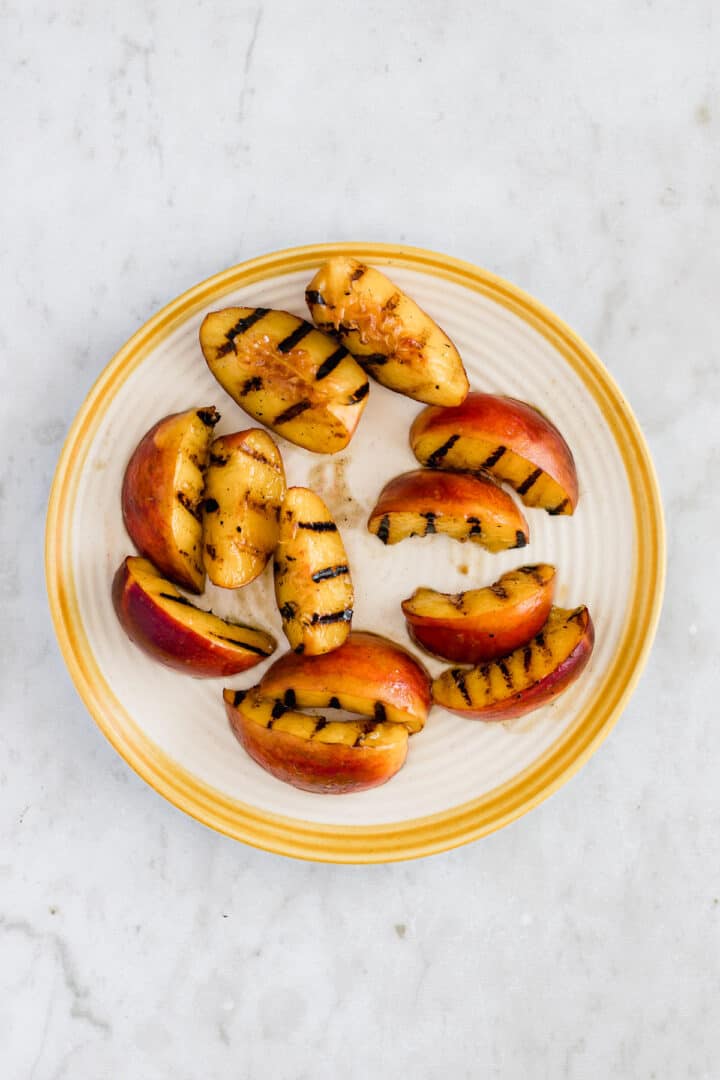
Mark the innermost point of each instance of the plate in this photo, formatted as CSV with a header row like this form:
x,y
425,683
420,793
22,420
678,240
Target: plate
x,y
462,779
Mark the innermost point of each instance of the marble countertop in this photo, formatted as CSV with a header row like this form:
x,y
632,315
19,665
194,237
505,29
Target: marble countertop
x,y
574,150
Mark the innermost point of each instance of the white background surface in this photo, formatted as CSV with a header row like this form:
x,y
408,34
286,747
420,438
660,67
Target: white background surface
x,y
572,149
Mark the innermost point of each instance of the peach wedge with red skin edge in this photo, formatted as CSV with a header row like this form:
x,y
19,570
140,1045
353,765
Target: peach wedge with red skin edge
x,y
508,438
161,494
328,758
368,675
244,490
424,502
166,626
394,339
482,624
528,678
287,375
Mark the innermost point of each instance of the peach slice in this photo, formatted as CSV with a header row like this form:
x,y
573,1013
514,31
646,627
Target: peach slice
x,y
286,375
161,494
481,624
165,625
394,339
312,579
506,437
526,679
464,507
312,753
368,675
244,489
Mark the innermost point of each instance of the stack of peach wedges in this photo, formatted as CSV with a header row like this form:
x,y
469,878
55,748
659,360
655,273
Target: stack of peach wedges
x,y
335,712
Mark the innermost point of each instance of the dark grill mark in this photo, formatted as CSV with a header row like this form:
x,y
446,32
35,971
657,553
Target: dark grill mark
x,y
335,616
295,338
289,699
527,658
318,526
367,727
176,599
211,550
529,481
430,519
359,394
187,502
209,416
334,703
294,410
287,611
312,296
475,526
240,327
238,697
392,302
330,572
320,723
242,645
437,455
458,677
277,710
218,459
506,674
494,457
379,713
331,362
499,590
375,359
531,570
577,616
520,539
553,510
358,273
255,383
211,505
384,529
542,644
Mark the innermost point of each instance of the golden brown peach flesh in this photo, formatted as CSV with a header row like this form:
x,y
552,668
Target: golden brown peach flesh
x,y
161,494
287,375
482,624
313,586
464,507
312,753
395,340
368,675
165,625
244,489
526,679
508,438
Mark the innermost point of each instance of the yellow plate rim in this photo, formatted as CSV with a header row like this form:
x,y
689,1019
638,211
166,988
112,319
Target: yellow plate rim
x,y
419,836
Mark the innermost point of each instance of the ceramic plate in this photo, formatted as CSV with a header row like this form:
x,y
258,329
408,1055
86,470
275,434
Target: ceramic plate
x,y
462,779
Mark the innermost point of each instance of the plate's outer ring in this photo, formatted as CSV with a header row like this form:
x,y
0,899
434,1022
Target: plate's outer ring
x,y
420,836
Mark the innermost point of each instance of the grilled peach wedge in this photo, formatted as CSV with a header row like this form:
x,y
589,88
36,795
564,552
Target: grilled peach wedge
x,y
165,625
286,375
526,679
368,675
393,339
312,579
244,490
162,491
464,507
482,624
312,753
506,437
